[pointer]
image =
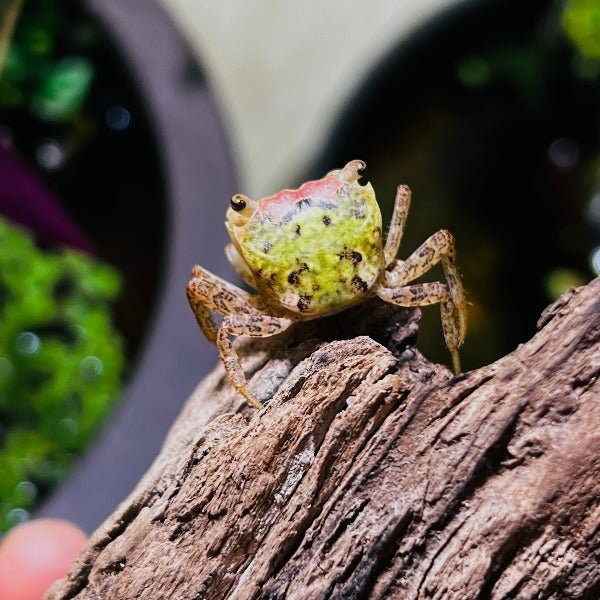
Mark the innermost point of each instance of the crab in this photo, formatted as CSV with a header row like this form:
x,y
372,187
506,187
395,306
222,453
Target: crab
x,y
315,251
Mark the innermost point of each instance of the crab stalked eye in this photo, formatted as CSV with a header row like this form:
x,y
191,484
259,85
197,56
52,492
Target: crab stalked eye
x,y
238,203
361,170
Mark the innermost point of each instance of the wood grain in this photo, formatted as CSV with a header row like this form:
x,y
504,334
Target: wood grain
x,y
372,473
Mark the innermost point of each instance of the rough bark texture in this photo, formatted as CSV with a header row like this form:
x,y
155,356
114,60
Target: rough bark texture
x,y
372,473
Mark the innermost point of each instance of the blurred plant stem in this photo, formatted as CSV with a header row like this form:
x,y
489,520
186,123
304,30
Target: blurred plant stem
x,y
8,19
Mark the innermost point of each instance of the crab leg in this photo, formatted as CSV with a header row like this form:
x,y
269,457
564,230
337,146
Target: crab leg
x,y
207,292
437,248
424,294
394,236
242,316
252,325
418,294
453,325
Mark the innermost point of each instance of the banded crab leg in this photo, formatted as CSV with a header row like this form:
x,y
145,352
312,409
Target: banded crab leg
x,y
397,224
253,325
439,247
242,315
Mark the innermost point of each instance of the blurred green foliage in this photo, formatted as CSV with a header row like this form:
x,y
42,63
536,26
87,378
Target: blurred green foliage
x,y
522,67
54,89
581,22
61,362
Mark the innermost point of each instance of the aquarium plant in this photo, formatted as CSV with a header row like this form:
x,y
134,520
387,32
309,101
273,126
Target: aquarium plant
x,y
61,362
53,86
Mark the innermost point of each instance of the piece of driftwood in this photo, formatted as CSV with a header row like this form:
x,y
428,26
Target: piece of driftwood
x,y
372,473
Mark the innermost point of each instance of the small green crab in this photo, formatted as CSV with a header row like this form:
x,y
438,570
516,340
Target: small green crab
x,y
315,251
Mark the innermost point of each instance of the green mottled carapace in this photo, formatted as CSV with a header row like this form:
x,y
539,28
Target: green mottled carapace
x,y
315,250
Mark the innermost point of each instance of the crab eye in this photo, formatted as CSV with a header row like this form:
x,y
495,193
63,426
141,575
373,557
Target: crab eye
x,y
361,170
238,203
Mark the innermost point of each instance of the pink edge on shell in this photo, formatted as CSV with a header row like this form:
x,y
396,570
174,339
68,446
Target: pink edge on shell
x,y
280,203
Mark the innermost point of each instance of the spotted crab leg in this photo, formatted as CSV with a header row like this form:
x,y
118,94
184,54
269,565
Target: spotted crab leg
x,y
242,316
253,325
394,236
418,294
437,248
207,292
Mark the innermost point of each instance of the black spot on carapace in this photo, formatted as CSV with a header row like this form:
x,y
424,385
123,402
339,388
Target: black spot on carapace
x,y
304,203
297,230
294,276
351,255
266,247
360,285
326,221
304,302
325,205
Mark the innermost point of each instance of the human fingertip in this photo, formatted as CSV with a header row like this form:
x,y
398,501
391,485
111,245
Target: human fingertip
x,y
35,554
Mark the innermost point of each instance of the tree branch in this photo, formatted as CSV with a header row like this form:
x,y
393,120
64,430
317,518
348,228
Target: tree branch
x,y
372,473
